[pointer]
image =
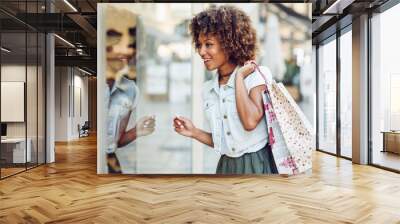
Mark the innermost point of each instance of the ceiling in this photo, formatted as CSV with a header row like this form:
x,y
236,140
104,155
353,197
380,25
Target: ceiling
x,y
76,22
330,15
77,25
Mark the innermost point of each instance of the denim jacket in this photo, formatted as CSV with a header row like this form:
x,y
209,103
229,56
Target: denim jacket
x,y
122,100
222,118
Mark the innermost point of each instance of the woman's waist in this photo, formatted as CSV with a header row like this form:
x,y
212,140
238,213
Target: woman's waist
x,y
236,149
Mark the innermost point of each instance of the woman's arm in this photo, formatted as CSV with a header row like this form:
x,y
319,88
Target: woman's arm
x,y
185,127
126,137
203,137
249,106
144,126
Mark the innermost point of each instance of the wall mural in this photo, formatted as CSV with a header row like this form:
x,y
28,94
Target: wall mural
x,y
179,91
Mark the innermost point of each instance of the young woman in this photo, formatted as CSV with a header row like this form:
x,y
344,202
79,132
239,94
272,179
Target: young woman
x,y
233,105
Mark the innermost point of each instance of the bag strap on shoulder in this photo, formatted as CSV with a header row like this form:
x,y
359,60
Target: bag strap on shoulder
x,y
262,74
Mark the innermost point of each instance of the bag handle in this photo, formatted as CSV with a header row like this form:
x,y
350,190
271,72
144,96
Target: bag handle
x,y
262,74
270,133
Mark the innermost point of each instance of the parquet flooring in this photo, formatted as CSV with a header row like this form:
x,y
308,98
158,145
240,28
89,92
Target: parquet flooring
x,y
70,191
6,171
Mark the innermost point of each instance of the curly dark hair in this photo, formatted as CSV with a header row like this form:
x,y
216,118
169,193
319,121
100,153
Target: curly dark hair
x,y
233,29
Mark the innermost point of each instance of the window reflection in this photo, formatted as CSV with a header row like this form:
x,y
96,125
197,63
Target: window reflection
x,y
346,94
385,84
327,97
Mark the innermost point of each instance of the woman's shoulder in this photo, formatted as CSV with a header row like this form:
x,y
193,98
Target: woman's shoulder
x,y
265,72
207,86
258,77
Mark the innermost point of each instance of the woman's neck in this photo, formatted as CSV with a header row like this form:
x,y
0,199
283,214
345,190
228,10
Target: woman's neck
x,y
224,72
110,83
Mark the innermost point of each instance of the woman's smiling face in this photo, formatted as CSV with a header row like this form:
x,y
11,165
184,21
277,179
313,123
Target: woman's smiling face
x,y
210,50
120,39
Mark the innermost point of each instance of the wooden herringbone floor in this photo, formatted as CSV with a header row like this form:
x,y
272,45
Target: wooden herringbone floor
x,y
69,191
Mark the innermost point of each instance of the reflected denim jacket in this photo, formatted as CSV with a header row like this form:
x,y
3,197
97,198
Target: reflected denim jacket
x,y
122,100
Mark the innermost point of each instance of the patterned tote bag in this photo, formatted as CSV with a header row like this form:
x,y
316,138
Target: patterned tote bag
x,y
290,133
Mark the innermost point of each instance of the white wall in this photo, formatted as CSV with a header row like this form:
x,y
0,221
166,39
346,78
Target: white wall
x,y
33,126
61,103
70,83
80,100
15,73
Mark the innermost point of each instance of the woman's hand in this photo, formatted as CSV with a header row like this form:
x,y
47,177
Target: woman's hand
x,y
184,126
247,68
145,126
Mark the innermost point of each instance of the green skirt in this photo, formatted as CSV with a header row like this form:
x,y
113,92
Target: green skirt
x,y
259,162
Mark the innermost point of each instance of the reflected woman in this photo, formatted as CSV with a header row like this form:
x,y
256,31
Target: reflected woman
x,y
122,92
233,105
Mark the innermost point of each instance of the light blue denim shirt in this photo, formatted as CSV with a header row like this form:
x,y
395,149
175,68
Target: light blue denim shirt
x,y
122,100
222,118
